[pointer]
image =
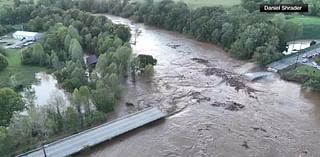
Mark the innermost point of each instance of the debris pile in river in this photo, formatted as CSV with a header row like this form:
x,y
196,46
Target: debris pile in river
x,y
201,61
231,79
231,106
174,46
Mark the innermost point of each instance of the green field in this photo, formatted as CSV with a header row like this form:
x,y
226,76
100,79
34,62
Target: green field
x,y
16,73
201,3
311,26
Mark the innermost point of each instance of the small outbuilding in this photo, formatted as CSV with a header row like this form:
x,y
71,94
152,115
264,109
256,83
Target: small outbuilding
x,y
91,61
23,35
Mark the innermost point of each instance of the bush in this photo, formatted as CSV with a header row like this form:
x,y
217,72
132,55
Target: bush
x,y
3,51
3,62
148,70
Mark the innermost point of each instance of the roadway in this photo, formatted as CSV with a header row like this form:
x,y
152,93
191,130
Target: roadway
x,y
99,134
291,60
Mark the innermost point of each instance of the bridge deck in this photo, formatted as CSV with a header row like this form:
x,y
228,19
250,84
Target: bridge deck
x,y
99,134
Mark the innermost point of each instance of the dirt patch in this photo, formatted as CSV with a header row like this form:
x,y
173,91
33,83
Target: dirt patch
x,y
231,106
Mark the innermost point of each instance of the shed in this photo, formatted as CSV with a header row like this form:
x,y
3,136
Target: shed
x,y
92,60
27,35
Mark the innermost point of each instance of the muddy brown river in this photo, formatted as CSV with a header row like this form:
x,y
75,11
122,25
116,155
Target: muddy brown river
x,y
213,111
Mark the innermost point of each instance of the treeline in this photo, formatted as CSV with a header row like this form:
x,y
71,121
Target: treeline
x,y
242,30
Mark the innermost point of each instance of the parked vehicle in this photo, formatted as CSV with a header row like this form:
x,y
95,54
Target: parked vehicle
x,y
304,60
314,64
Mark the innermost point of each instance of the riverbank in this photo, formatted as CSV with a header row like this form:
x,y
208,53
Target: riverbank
x,y
304,75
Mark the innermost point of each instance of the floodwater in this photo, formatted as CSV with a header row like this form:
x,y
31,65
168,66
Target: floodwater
x,y
295,46
46,88
212,110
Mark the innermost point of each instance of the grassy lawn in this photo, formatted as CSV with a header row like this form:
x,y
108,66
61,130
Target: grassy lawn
x,y
307,71
311,26
24,75
301,74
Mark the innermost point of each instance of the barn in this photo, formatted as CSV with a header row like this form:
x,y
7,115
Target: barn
x,y
27,35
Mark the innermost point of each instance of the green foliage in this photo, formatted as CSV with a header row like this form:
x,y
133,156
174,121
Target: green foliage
x,y
71,120
27,130
38,54
75,50
266,54
72,76
10,103
3,51
104,99
3,62
314,84
148,70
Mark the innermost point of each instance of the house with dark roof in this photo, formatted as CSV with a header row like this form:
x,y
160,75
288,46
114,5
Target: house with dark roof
x,y
91,61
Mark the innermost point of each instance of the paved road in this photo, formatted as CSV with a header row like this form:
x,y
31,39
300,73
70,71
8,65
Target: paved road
x,y
91,137
291,60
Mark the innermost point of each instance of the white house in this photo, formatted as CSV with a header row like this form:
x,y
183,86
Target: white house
x,y
27,35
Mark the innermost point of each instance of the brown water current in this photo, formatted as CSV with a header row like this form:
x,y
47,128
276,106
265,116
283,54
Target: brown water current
x,y
213,111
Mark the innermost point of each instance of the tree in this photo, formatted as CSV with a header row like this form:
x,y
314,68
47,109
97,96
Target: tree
x,y
102,64
3,51
39,57
77,102
10,103
67,42
85,98
227,34
31,128
122,57
71,120
74,34
3,62
103,97
75,50
56,105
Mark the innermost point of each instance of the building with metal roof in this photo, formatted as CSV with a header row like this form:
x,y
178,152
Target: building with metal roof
x,y
21,35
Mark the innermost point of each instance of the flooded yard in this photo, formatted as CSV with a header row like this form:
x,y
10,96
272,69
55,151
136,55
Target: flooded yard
x,y
47,87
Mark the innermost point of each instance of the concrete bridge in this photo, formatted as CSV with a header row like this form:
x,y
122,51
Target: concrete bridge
x,y
75,143
256,75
